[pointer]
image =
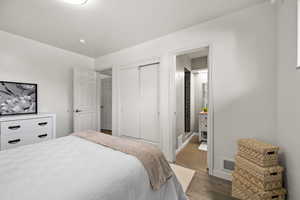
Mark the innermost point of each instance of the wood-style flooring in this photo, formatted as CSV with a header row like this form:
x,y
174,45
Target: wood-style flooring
x,y
191,157
205,187
202,186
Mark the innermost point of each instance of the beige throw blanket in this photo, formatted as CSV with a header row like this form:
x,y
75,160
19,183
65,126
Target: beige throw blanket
x,y
153,160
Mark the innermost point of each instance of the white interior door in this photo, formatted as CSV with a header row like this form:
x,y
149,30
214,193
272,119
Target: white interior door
x,y
149,113
86,108
129,102
106,103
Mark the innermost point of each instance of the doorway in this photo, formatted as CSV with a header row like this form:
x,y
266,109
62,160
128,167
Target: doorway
x,y
192,132
104,79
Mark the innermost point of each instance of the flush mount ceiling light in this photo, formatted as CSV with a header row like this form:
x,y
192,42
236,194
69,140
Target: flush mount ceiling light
x,y
76,2
275,1
82,41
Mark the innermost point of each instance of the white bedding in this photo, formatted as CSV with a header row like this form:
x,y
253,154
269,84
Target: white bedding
x,y
71,168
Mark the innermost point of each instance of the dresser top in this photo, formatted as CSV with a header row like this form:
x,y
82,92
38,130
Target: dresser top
x,y
203,113
22,117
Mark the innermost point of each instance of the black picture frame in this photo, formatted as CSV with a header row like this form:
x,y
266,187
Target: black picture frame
x,y
36,98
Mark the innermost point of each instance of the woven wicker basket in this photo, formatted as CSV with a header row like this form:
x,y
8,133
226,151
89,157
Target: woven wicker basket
x,y
244,190
239,194
267,186
269,178
260,153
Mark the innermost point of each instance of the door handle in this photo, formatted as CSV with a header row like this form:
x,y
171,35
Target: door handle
x,y
78,111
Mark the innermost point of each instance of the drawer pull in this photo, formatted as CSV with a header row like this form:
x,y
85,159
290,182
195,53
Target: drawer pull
x,y
43,123
274,174
42,136
271,153
14,127
14,141
275,197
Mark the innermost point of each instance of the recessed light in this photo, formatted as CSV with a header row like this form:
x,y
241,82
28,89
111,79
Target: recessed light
x,y
82,41
77,2
276,1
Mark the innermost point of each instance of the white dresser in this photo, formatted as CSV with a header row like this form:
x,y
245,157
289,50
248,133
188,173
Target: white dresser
x,y
26,129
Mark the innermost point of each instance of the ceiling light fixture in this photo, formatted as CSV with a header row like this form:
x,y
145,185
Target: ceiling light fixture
x,y
276,1
82,41
76,2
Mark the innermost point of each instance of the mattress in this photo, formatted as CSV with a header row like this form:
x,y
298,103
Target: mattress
x,y
71,168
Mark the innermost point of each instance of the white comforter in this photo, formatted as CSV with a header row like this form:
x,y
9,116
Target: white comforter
x,y
71,168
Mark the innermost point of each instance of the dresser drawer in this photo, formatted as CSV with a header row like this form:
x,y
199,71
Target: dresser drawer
x,y
41,124
12,134
13,141
12,127
41,129
22,132
40,136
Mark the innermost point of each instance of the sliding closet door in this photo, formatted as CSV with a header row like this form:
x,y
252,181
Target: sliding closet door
x,y
129,102
149,103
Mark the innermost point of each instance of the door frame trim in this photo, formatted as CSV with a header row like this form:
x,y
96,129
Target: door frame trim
x,y
172,99
100,77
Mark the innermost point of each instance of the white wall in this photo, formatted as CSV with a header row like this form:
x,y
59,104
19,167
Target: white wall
x,y
24,60
243,57
289,95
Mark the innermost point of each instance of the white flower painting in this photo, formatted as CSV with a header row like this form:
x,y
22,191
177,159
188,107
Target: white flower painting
x,y
17,98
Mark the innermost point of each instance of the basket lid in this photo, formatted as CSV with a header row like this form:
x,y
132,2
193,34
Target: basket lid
x,y
258,145
249,166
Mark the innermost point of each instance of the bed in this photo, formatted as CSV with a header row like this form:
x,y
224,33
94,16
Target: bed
x,y
71,168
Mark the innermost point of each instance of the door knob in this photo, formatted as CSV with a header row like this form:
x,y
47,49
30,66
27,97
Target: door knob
x,y
77,111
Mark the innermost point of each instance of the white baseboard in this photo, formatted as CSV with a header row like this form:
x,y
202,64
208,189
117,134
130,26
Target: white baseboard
x,y
222,174
185,143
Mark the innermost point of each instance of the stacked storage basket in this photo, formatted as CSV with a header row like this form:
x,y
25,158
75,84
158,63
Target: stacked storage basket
x,y
257,175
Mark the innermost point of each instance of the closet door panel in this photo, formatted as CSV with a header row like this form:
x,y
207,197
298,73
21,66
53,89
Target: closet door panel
x,y
149,103
129,102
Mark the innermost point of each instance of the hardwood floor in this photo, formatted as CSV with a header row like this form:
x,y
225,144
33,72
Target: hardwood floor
x,y
191,157
205,187
202,186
